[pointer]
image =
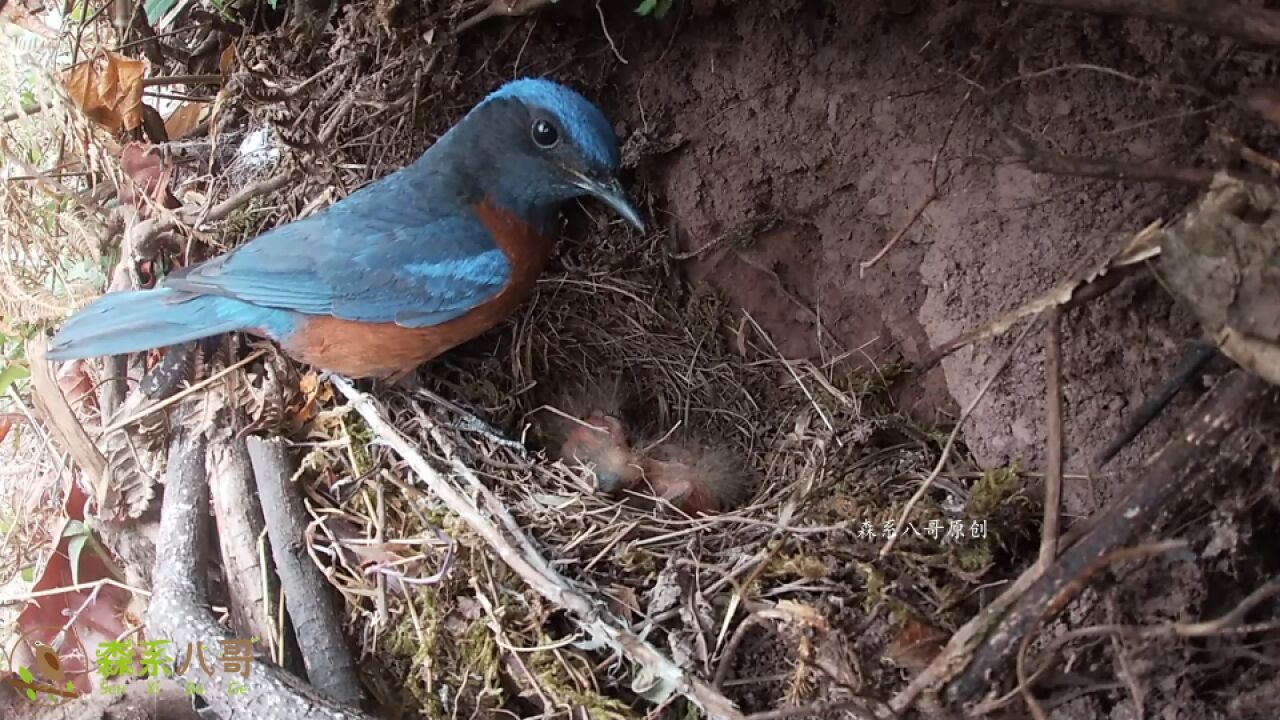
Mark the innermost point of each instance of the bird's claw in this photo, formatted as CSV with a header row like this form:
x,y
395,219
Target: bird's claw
x,y
471,424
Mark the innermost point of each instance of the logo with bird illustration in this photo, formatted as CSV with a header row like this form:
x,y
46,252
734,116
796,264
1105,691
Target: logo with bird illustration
x,y
44,664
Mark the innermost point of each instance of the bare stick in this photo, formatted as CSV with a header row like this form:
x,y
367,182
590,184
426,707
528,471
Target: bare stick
x,y
1219,17
238,515
62,421
177,611
592,616
312,610
1053,421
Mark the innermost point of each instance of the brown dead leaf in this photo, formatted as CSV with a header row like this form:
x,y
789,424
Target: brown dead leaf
x,y
916,645
805,614
182,121
314,394
77,387
6,424
226,59
108,89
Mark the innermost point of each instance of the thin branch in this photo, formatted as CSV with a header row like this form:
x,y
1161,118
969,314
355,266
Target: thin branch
x,y
1053,422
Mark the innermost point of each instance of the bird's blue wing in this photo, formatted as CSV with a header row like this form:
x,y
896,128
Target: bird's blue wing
x,y
399,250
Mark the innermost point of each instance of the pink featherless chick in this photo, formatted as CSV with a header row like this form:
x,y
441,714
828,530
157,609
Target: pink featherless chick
x,y
590,433
697,478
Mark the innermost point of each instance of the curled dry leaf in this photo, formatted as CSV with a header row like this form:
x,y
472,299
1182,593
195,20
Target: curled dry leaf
x,y
226,60
108,89
1223,260
147,176
77,387
186,118
666,591
314,394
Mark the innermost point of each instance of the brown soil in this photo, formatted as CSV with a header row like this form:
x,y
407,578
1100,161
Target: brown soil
x,y
823,125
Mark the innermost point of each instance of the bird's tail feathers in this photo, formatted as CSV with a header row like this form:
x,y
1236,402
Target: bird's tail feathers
x,y
127,322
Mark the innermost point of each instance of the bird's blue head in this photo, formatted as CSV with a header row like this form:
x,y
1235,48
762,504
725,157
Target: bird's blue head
x,y
539,144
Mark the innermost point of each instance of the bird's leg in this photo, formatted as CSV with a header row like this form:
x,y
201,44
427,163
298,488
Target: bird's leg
x,y
469,422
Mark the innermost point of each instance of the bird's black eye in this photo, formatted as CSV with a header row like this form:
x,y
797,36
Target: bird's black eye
x,y
545,134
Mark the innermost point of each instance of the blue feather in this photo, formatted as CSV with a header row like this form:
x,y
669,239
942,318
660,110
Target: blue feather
x,y
125,322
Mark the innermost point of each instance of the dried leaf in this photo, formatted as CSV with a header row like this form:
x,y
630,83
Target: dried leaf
x,y
314,394
77,387
1223,260
5,426
666,591
108,89
84,617
916,644
182,121
226,59
805,614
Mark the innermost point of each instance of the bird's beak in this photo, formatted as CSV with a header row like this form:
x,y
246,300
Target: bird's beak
x,y
610,192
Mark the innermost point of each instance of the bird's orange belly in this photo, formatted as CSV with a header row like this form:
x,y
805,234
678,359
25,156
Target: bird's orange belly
x,y
383,350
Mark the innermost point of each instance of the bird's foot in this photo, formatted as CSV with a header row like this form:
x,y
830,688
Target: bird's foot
x,y
472,424
469,422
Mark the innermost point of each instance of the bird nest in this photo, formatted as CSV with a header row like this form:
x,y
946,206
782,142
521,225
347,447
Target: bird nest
x,y
827,463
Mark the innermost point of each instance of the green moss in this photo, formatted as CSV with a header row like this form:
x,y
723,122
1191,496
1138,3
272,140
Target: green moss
x,y
798,566
874,583
360,437
554,679
991,491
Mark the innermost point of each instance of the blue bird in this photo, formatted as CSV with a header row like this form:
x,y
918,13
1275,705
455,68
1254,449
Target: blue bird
x,y
403,269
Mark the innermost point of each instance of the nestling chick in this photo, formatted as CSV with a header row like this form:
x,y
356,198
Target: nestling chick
x,y
697,478
593,436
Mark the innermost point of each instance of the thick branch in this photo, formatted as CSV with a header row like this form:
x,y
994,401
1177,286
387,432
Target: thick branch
x,y
238,515
178,613
1217,17
312,610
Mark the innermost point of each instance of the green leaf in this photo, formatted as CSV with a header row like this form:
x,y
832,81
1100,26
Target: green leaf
x,y
29,573
647,7
155,9
25,674
11,375
75,547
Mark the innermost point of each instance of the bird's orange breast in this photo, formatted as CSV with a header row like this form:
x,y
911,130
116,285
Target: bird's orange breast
x,y
358,349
